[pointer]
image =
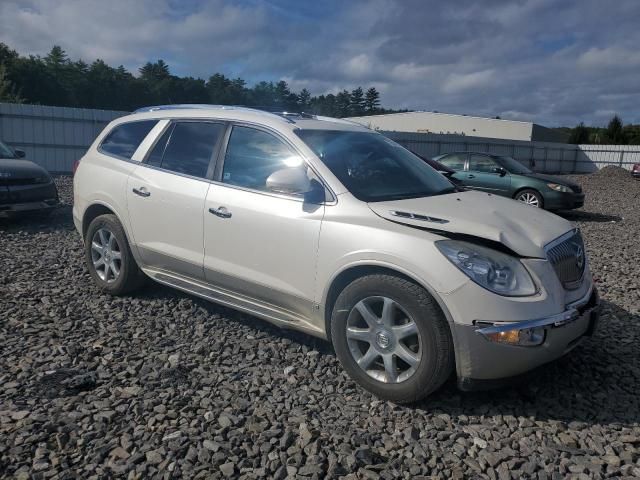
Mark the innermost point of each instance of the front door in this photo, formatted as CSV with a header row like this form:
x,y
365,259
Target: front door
x,y
166,196
259,244
484,174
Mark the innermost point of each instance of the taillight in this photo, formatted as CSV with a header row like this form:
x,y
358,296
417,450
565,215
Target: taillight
x,y
76,164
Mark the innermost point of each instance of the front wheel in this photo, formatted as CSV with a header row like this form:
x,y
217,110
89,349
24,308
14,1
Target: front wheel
x,y
392,338
109,258
530,197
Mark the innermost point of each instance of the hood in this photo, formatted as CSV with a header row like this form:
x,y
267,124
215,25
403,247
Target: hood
x,y
19,169
552,179
522,228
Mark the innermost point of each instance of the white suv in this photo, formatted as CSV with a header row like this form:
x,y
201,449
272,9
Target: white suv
x,y
324,226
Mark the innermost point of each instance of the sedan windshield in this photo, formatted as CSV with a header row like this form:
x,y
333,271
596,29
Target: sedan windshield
x,y
513,166
374,168
6,152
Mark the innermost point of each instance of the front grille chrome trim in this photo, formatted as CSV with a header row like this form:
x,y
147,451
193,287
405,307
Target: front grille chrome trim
x,y
568,257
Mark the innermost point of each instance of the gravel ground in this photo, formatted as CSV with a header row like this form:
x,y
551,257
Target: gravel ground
x,y
162,385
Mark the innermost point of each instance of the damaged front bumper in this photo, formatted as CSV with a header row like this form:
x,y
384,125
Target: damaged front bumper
x,y
499,350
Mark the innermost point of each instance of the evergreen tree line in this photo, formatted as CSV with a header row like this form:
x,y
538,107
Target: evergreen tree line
x,y
616,133
59,81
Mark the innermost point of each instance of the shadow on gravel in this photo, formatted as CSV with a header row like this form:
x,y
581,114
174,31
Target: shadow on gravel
x,y
581,216
157,291
598,382
595,383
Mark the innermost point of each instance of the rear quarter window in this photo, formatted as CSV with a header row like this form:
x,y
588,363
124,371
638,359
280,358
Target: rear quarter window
x,y
125,138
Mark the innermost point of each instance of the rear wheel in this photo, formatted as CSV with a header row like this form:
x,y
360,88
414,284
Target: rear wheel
x,y
109,258
392,338
530,197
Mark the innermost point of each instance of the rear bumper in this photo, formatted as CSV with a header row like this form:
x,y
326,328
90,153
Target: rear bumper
x,y
635,174
563,201
487,362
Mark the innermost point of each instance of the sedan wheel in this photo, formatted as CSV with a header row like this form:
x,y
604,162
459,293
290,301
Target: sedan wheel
x,y
383,339
530,198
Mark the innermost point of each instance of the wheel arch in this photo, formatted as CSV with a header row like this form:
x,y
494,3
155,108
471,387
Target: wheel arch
x,y
93,211
520,189
350,273
97,208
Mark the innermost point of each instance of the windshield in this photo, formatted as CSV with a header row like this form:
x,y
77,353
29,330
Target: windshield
x,y
6,152
374,168
513,166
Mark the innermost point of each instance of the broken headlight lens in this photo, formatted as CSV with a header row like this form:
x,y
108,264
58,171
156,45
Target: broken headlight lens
x,y
493,270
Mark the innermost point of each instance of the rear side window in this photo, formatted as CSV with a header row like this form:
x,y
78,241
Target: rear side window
x,y
187,148
124,139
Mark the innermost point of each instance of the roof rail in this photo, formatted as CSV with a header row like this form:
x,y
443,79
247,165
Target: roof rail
x,y
205,106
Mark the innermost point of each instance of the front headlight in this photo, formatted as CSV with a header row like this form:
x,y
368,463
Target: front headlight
x,y
559,188
493,270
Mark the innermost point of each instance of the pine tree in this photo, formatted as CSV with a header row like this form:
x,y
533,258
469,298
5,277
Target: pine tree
x,y
8,92
357,101
614,132
155,71
304,100
343,104
372,100
579,135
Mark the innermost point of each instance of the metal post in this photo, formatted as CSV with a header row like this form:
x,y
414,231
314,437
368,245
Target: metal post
x,y
621,158
575,160
532,160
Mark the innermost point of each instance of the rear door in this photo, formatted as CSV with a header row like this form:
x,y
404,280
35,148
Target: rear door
x,y
482,174
166,195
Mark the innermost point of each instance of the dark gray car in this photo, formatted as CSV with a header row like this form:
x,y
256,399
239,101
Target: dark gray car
x,y
24,186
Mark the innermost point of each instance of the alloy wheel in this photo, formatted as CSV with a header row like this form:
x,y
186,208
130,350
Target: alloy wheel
x,y
383,339
529,198
106,255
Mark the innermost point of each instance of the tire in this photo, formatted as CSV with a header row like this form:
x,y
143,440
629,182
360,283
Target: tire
x,y
528,195
129,276
431,344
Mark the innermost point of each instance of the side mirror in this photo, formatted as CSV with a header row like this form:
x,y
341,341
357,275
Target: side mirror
x,y
289,181
19,153
500,171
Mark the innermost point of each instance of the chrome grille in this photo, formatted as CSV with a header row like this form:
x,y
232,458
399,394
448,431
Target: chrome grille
x,y
568,259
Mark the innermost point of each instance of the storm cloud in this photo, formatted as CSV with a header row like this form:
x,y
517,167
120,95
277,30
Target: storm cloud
x,y
553,62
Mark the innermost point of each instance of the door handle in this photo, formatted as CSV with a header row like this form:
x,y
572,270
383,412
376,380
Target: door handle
x,y
143,192
221,212
471,176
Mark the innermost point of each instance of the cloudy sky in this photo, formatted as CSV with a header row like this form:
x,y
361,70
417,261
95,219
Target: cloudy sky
x,y
554,62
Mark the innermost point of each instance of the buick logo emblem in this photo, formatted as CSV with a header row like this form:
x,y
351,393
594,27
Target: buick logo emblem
x,y
382,339
579,257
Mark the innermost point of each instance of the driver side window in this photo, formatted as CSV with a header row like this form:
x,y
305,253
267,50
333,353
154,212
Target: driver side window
x,y
482,163
253,155
454,161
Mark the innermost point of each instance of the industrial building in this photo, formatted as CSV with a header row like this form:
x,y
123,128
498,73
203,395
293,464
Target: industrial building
x,y
447,123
